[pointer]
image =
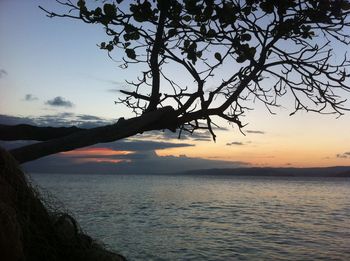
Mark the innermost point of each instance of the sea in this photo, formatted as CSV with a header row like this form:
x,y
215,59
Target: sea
x,y
179,217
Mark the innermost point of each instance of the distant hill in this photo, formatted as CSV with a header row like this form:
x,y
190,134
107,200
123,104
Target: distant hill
x,y
276,172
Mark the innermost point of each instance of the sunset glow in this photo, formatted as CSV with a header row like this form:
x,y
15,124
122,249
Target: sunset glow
x,y
85,81
174,130
98,160
88,152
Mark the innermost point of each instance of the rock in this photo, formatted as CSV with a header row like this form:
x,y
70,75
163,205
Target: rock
x,y
10,232
28,231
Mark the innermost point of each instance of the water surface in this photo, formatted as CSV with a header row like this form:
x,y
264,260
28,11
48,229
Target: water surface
x,y
210,218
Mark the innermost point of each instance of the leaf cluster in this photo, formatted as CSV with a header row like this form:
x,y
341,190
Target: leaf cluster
x,y
288,42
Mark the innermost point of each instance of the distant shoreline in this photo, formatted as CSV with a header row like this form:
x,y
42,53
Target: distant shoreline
x,y
336,172
339,171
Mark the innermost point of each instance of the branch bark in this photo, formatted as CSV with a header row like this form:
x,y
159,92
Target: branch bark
x,y
121,129
157,46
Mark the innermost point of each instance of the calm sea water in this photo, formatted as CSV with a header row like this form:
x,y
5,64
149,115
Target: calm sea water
x,y
210,218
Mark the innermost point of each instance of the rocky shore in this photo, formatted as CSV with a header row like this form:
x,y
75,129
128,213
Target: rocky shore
x,y
32,230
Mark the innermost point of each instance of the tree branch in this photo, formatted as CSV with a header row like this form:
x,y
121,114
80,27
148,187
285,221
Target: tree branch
x,y
121,129
157,46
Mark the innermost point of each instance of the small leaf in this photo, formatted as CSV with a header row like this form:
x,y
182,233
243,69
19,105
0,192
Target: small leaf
x,y
247,10
81,3
267,7
109,47
134,35
186,18
98,11
109,10
251,52
211,33
193,46
345,5
218,56
246,37
130,53
186,43
241,59
171,32
203,30
126,37
116,39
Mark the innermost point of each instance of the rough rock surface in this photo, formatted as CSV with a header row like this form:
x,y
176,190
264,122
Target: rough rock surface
x,y
29,231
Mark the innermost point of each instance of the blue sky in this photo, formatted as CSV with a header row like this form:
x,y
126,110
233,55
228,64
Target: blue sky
x,y
47,59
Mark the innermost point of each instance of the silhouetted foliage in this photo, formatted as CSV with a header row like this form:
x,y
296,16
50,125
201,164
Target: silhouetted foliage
x,y
231,52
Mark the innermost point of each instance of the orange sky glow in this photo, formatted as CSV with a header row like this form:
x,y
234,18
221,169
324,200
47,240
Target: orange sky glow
x,y
88,152
89,80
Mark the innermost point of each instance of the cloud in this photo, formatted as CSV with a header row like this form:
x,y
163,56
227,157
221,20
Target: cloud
x,y
235,143
3,73
115,82
109,150
65,119
56,120
344,155
135,155
68,119
105,80
59,102
144,145
30,97
138,144
255,132
14,120
168,135
198,135
120,86
145,162
9,145
114,90
112,149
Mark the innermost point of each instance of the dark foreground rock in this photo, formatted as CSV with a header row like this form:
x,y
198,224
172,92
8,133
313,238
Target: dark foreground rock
x,y
30,231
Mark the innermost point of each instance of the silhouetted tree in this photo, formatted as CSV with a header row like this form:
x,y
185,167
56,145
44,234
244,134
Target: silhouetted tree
x,y
263,50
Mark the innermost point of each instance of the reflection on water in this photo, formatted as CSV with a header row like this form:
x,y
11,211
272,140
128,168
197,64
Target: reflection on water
x,y
210,218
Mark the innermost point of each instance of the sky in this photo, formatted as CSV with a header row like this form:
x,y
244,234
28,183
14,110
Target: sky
x,y
53,73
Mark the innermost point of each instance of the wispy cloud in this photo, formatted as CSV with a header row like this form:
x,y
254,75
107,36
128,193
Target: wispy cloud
x,y
121,157
145,145
115,82
30,97
119,86
14,120
60,102
235,143
3,73
344,155
166,135
113,90
114,162
255,132
65,119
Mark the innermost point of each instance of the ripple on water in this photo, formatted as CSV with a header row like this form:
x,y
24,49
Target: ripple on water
x,y
208,218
